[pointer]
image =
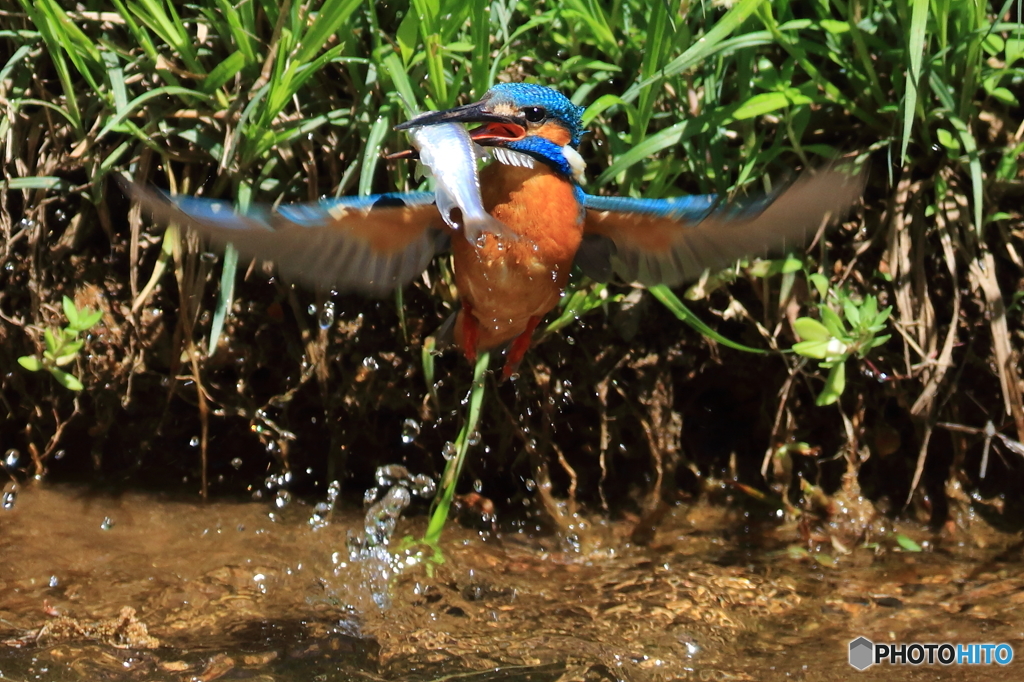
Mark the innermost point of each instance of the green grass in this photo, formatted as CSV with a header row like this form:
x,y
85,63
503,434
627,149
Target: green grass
x,y
267,102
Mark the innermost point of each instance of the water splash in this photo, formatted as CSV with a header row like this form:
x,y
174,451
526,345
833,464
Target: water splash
x,y
410,430
326,318
368,554
386,501
10,496
282,499
323,510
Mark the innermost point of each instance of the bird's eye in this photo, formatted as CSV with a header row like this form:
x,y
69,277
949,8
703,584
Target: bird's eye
x,y
534,114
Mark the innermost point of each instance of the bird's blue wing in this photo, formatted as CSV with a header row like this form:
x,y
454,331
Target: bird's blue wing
x,y
369,244
671,241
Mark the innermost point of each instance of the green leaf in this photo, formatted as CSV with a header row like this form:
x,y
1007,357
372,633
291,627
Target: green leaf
x,y
576,305
69,381
1014,50
835,27
916,45
30,362
811,349
50,341
88,318
809,329
869,309
832,321
767,102
880,340
835,384
65,360
852,313
947,140
407,36
70,311
672,302
881,317
1005,96
820,283
791,264
993,44
707,45
224,71
907,544
39,182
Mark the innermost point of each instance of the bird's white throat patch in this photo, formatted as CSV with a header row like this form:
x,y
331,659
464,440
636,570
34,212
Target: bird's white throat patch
x,y
512,158
576,162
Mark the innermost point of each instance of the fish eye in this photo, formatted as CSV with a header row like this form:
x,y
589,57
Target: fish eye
x,y
534,114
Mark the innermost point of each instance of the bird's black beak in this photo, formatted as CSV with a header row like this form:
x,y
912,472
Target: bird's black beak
x,y
497,128
478,112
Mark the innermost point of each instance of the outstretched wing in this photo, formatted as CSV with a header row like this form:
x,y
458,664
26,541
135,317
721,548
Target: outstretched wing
x,y
369,244
670,241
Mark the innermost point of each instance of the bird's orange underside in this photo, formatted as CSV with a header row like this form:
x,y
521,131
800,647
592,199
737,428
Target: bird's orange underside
x,y
506,283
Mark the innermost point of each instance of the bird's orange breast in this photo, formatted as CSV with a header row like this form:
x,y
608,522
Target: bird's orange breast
x,y
506,282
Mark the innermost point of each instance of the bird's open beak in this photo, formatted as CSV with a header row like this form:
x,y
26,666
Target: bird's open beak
x,y
496,128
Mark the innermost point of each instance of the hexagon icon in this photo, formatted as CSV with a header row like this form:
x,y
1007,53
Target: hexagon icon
x,y
862,653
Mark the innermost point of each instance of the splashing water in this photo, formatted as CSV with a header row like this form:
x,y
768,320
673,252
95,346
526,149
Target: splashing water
x,y
368,554
323,510
10,496
326,318
385,503
410,430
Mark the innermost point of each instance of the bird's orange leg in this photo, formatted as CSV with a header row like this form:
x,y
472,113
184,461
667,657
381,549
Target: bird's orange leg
x,y
470,332
518,349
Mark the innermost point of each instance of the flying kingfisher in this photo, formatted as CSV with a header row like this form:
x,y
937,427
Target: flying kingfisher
x,y
508,281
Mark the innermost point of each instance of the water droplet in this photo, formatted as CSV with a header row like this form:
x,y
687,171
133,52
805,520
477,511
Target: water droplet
x,y
54,582
193,442
370,363
237,463
448,451
282,499
423,485
11,458
10,496
410,429
478,486
311,309
531,484
391,474
59,454
107,524
473,438
326,318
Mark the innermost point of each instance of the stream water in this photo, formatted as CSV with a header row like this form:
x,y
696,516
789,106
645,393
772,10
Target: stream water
x,y
137,587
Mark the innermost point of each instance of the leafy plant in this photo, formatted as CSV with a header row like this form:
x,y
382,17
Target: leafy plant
x,y
839,335
63,345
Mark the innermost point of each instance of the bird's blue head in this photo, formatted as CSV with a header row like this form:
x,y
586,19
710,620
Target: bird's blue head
x,y
527,118
540,110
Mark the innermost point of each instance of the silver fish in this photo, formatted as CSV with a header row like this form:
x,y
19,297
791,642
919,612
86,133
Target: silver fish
x,y
451,155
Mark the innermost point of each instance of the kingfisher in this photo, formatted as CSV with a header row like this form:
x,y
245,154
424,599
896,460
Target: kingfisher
x,y
510,280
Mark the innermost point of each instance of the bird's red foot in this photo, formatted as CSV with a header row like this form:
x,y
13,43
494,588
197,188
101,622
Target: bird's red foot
x,y
518,349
